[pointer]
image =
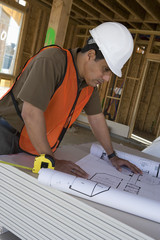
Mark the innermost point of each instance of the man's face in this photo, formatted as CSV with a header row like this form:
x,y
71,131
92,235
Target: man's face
x,y
96,72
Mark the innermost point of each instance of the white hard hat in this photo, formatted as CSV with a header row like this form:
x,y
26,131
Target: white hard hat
x,y
116,44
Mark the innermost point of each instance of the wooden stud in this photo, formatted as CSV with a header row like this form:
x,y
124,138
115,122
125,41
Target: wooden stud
x,y
150,117
59,18
100,8
120,108
157,129
114,7
143,75
15,5
84,7
152,7
132,7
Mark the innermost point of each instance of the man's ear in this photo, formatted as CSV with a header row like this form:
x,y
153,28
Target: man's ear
x,y
91,54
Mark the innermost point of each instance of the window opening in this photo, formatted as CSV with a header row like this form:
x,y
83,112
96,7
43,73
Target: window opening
x,y
21,2
10,26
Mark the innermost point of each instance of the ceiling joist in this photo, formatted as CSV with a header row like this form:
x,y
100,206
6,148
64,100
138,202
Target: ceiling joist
x,y
114,7
152,7
136,14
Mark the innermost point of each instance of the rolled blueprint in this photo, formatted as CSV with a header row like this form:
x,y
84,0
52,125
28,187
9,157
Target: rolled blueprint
x,y
99,193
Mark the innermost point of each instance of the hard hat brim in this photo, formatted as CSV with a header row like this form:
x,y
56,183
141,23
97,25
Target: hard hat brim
x,y
117,72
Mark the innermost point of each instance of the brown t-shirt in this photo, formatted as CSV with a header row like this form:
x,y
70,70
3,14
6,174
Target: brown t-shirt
x,y
37,84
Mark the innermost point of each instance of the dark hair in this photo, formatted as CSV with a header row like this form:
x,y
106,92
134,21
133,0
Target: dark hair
x,y
94,46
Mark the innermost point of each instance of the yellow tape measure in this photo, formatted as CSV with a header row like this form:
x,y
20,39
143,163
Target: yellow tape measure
x,y
41,161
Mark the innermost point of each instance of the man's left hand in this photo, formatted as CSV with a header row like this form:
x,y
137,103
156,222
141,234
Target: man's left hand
x,y
119,162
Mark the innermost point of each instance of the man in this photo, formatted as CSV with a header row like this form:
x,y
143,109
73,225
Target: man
x,y
53,88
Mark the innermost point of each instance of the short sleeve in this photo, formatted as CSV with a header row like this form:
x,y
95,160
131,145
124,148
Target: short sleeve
x,y
93,106
41,79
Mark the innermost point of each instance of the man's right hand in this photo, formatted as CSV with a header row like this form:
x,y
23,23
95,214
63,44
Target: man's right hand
x,y
70,168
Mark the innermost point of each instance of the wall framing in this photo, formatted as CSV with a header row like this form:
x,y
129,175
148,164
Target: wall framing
x,y
122,98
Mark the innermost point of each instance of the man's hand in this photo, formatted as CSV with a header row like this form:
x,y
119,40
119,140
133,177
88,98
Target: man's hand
x,y
70,168
119,162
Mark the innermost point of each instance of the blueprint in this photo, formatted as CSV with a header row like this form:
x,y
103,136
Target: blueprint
x,y
126,191
149,166
100,170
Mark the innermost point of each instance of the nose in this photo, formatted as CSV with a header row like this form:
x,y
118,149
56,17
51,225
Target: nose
x,y
106,76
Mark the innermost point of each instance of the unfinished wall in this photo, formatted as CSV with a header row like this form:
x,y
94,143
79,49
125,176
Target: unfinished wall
x,y
149,107
133,99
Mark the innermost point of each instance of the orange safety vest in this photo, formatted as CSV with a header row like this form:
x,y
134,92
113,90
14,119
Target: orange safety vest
x,y
63,109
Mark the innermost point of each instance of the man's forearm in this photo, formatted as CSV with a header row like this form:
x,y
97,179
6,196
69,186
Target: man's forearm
x,y
35,125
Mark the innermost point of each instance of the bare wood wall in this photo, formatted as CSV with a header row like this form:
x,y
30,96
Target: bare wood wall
x,y
149,107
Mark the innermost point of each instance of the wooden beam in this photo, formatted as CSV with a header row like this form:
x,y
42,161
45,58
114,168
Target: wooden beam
x,y
96,22
140,31
147,32
133,7
135,24
152,7
81,20
6,76
138,25
79,12
131,12
101,19
151,96
145,42
86,26
59,18
84,7
153,57
15,5
99,8
42,3
114,7
150,19
142,77
148,26
136,20
48,3
82,35
158,126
